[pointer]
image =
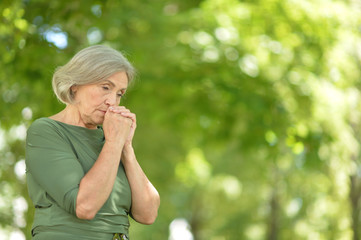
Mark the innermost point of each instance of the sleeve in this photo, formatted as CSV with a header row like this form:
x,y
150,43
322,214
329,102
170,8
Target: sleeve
x,y
53,164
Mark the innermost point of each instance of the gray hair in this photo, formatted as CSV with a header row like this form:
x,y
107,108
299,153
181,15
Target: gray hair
x,y
90,65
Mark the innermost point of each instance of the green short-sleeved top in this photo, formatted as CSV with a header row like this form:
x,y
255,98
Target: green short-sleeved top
x,y
58,155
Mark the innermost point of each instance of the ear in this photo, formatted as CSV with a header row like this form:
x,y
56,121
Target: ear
x,y
73,89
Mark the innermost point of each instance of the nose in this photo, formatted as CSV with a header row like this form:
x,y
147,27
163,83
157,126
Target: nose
x,y
111,100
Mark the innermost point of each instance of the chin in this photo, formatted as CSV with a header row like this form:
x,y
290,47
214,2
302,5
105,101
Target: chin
x,y
95,122
99,121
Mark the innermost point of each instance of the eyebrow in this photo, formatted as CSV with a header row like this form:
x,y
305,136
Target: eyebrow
x,y
113,85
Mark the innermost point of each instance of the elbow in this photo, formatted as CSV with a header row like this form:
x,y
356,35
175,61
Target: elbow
x,y
84,214
147,220
150,218
149,215
85,208
154,213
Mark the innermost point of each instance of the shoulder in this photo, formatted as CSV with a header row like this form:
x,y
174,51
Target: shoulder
x,y
45,132
42,123
44,126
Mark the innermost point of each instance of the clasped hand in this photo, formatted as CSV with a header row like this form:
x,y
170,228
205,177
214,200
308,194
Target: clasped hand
x,y
119,124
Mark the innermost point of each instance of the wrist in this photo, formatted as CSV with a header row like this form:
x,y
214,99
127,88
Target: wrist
x,y
128,152
114,143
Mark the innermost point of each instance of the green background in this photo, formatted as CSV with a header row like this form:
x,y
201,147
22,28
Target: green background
x,y
248,112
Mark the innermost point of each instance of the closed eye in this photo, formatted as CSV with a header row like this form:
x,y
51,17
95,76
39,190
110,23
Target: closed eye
x,y
121,93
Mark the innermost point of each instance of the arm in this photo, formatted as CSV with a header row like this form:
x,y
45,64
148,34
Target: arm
x,y
145,198
52,165
97,184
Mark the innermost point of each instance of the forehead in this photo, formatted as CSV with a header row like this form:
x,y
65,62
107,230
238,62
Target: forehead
x,y
118,80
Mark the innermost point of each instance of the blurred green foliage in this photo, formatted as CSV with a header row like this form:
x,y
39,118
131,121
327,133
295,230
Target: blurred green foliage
x,y
248,111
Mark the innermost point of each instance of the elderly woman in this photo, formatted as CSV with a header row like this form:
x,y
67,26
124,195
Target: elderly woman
x,y
83,176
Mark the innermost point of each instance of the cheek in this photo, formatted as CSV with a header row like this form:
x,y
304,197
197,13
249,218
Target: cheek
x,y
92,100
95,97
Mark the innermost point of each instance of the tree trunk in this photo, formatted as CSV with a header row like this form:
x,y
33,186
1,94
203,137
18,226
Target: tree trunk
x,y
355,208
272,231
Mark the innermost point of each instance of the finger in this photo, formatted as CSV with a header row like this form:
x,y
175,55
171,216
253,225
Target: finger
x,y
128,115
119,110
114,108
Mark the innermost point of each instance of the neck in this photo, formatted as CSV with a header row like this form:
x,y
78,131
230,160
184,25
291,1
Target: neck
x,y
71,115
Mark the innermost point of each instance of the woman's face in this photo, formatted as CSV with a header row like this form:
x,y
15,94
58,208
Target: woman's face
x,y
93,100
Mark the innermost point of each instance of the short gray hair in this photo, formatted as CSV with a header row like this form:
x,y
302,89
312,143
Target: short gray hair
x,y
90,65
